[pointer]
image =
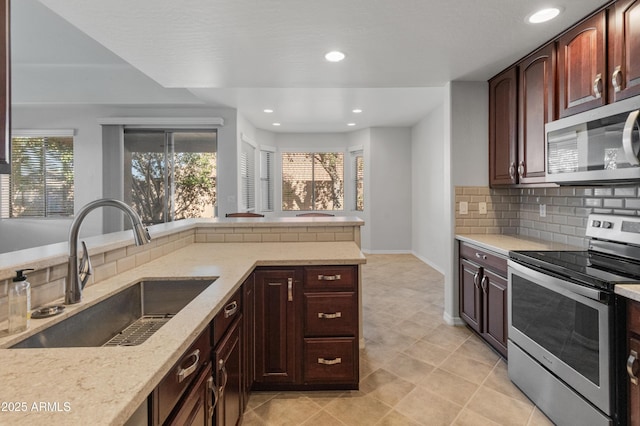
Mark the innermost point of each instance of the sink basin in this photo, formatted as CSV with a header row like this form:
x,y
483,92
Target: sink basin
x,y
125,319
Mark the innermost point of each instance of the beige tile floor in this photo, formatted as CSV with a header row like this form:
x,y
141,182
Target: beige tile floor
x,y
415,369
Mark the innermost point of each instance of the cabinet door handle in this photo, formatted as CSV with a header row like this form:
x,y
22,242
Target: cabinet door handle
x,y
225,377
481,256
333,361
231,309
290,289
183,373
475,279
597,92
614,79
484,283
215,396
521,169
329,316
632,367
329,277
512,170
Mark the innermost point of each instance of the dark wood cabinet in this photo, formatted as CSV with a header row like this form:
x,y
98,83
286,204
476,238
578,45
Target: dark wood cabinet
x,y
306,334
228,364
633,361
196,408
248,311
536,107
503,97
624,50
276,331
5,88
582,72
483,294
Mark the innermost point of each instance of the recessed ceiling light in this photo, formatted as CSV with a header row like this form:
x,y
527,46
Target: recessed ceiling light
x,y
357,111
543,15
334,56
351,124
268,111
276,124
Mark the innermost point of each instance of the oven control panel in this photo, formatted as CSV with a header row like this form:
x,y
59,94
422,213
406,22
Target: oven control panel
x,y
622,229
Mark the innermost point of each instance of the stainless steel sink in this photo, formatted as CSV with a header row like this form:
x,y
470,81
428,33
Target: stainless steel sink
x,y
125,319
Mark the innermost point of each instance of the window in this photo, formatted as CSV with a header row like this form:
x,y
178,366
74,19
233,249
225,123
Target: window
x,y
312,181
41,183
266,180
248,176
170,175
358,174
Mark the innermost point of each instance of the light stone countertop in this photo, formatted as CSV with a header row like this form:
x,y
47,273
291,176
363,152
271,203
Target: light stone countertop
x,y
502,244
104,386
630,291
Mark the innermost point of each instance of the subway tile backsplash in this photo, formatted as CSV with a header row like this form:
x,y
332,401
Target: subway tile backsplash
x,y
518,210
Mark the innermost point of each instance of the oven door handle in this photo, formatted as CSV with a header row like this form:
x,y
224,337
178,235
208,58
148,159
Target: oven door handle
x,y
545,281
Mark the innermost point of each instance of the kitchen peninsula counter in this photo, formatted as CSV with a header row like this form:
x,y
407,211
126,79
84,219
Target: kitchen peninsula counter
x,y
105,385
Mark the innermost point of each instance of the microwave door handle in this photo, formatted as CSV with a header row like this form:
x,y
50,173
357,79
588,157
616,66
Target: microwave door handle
x,y
627,138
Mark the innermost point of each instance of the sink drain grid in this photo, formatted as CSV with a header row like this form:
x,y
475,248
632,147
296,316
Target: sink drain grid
x,y
139,331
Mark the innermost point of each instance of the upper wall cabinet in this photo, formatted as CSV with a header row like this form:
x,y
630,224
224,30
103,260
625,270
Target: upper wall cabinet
x,y
624,49
536,107
5,89
503,96
581,66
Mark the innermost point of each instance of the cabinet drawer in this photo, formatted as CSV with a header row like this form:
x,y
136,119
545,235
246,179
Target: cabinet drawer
x,y
223,319
633,317
330,314
330,360
484,258
330,278
181,375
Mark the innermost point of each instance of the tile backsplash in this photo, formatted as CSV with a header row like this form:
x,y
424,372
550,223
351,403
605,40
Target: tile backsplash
x,y
562,219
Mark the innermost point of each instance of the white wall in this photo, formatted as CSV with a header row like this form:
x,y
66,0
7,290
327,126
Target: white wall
x,y
389,201
16,234
467,142
429,188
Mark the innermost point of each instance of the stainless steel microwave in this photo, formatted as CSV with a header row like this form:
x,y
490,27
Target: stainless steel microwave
x,y
597,146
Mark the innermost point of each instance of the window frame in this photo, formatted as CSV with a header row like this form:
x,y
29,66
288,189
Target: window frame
x,y
267,178
356,153
312,152
6,199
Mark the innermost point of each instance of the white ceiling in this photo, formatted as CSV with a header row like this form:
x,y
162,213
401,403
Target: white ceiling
x,y
256,54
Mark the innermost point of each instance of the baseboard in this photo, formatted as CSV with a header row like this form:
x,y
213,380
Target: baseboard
x,y
365,251
428,262
453,320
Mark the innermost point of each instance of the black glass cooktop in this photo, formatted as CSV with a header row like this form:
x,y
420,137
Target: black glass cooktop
x,y
585,267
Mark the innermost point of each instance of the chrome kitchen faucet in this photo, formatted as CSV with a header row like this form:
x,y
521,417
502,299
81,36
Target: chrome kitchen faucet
x,y
78,275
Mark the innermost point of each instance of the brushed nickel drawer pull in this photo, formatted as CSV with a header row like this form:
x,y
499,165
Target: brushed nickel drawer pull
x,y
333,361
481,256
614,79
215,396
290,289
329,316
632,367
329,277
231,309
597,92
183,373
476,281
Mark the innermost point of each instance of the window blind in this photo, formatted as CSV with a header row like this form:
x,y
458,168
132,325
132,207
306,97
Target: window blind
x,y
266,180
42,177
248,174
358,184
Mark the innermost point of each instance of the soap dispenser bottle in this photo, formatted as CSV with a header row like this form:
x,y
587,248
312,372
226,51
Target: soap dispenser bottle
x,y
19,302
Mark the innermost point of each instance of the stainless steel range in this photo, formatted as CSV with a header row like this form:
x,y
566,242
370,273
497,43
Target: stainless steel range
x,y
567,327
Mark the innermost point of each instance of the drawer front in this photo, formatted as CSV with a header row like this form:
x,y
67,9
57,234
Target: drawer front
x,y
330,314
182,374
330,360
330,278
484,258
223,319
633,317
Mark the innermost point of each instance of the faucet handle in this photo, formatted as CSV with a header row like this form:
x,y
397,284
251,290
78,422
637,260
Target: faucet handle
x,y
85,269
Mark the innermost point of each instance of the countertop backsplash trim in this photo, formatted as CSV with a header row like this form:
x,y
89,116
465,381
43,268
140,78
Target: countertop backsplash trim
x,y
517,210
48,283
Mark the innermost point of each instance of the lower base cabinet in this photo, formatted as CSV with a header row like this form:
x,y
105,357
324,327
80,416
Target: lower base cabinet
x,y
287,328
